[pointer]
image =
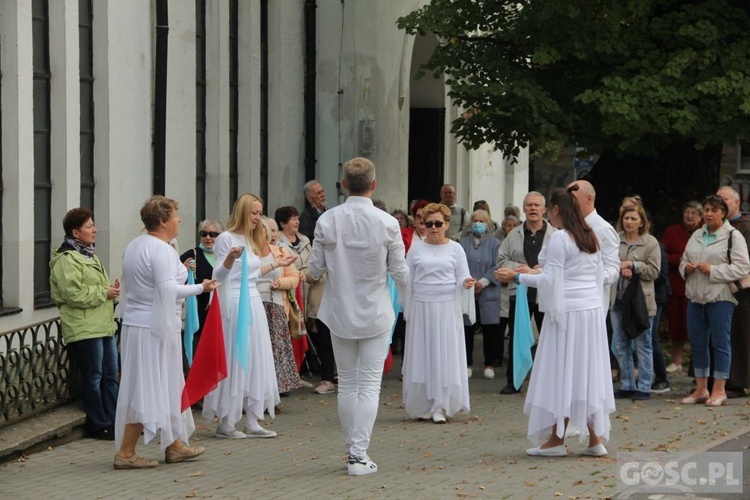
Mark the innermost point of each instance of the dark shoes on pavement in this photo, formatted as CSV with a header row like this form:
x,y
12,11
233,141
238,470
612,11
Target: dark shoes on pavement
x,y
660,387
623,394
104,434
640,396
509,389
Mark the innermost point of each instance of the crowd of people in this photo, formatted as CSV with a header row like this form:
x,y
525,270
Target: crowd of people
x,y
354,279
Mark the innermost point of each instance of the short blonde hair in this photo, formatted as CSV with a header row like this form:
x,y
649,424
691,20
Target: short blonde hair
x,y
157,210
434,208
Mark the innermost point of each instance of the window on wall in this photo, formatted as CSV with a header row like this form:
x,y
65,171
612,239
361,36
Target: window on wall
x,y
743,157
200,110
42,163
86,76
233,100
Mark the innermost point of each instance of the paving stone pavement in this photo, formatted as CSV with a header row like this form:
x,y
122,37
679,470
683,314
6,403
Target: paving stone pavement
x,y
479,455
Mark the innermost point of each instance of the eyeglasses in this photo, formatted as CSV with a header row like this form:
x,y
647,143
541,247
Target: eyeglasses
x,y
212,234
436,223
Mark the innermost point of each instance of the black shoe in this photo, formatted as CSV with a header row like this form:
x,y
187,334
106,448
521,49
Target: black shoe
x,y
660,387
622,394
284,394
509,389
105,434
640,396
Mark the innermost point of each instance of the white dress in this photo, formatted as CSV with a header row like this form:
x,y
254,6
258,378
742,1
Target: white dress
x,y
434,367
571,377
151,380
256,391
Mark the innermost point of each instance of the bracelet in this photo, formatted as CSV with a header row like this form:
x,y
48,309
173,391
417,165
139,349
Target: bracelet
x,y
516,279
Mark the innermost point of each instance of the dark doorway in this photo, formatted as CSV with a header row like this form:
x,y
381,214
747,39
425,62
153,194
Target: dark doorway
x,y
426,152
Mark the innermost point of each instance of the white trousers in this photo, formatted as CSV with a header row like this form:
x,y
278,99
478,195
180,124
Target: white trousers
x,y
360,369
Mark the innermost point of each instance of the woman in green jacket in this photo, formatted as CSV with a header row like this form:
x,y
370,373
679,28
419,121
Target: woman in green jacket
x,y
81,289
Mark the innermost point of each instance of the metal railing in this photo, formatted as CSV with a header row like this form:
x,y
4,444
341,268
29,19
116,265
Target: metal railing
x,y
35,372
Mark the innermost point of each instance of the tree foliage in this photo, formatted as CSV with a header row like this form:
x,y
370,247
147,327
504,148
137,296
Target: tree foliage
x,y
628,76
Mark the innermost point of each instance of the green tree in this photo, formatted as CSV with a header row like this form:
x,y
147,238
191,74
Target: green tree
x,y
655,86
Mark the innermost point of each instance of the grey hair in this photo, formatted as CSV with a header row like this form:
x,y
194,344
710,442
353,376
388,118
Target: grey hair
x,y
483,213
513,218
534,193
696,205
308,186
735,194
202,225
358,174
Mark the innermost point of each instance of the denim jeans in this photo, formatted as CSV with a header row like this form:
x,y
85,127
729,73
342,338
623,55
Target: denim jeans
x,y
643,352
96,361
710,322
360,365
660,369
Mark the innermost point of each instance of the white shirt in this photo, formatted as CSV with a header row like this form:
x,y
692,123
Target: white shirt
x,y
358,245
610,248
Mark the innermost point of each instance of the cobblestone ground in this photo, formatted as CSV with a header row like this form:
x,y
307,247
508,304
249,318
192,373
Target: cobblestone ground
x,y
478,455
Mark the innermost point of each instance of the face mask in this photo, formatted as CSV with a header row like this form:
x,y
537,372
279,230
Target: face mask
x,y
478,227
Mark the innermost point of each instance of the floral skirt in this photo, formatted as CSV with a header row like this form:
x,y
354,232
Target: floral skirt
x,y
287,376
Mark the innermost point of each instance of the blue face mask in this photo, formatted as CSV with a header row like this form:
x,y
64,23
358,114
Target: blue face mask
x,y
478,227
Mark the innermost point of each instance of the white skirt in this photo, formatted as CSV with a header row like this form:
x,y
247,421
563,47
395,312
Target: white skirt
x,y
434,367
151,388
571,378
255,391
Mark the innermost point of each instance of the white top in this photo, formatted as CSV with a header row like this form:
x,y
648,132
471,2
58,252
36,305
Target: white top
x,y
264,282
153,280
230,279
610,248
358,245
437,271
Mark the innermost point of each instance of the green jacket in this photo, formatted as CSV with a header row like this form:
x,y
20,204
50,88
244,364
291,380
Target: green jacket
x,y
79,287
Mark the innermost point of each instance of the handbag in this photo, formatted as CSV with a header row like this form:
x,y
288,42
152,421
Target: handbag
x,y
635,317
740,288
297,328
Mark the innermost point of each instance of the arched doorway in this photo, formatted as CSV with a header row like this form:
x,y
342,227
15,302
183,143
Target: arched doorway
x,y
426,125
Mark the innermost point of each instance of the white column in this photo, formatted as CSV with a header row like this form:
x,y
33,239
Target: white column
x,y
217,109
17,157
181,124
65,121
286,73
123,34
248,127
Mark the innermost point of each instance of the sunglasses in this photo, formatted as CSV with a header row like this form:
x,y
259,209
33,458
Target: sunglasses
x,y
212,234
437,223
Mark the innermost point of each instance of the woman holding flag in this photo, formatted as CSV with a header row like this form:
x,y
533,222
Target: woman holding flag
x,y
570,381
251,380
151,384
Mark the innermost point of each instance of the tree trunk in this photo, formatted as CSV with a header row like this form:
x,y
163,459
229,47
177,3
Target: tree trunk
x,y
680,173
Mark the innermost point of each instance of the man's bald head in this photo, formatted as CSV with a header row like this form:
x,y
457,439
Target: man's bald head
x,y
586,196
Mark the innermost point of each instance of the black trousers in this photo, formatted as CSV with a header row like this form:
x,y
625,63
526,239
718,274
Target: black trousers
x,y
538,318
490,338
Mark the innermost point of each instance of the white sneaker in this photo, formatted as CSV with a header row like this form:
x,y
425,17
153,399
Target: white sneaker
x,y
230,434
673,368
469,371
359,466
260,433
326,387
489,373
438,417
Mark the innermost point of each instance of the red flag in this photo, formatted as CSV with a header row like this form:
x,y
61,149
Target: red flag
x,y
299,346
210,360
388,362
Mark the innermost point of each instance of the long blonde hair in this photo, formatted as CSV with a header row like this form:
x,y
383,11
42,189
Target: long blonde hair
x,y
239,222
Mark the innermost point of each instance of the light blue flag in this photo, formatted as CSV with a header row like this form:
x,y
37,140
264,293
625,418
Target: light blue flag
x,y
393,290
191,320
523,338
244,319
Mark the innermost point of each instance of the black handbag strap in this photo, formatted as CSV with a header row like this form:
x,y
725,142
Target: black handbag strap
x,y
729,255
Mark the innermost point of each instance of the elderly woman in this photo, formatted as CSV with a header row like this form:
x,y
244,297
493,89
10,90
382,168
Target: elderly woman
x,y
481,252
492,226
640,255
274,290
675,239
251,380
715,256
417,232
402,218
201,260
151,386
288,221
435,381
81,289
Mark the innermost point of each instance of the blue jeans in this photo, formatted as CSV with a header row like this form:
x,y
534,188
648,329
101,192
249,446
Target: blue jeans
x,y
643,352
96,361
660,370
710,322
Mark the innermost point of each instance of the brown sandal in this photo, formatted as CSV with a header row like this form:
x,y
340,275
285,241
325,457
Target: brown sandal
x,y
134,462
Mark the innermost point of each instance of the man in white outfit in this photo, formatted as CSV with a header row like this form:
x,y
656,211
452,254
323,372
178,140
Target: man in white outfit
x,y
358,245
